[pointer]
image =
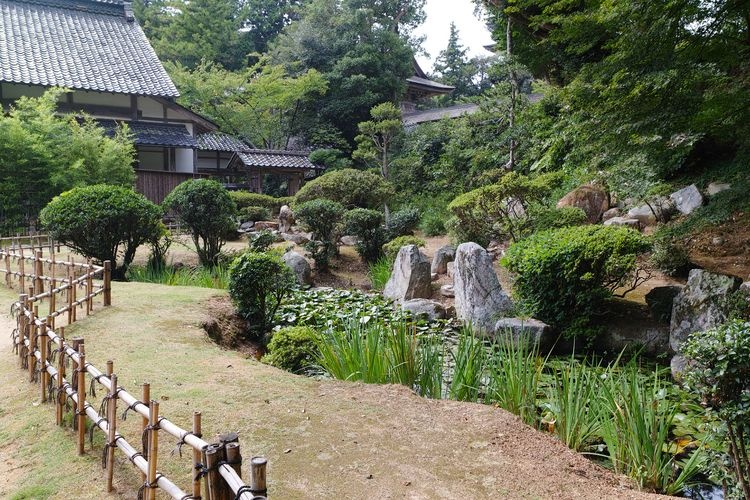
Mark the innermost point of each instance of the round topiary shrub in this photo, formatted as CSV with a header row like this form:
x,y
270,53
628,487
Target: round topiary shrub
x,y
247,199
258,282
254,214
367,226
566,275
352,188
293,349
321,218
103,222
206,208
402,223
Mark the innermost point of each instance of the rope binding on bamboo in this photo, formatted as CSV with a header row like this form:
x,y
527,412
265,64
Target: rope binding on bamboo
x,y
147,485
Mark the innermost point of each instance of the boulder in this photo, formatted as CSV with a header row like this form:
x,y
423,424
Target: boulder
x,y
717,187
660,300
410,278
442,257
625,222
296,238
451,269
286,219
687,199
349,241
678,364
532,329
447,291
265,224
700,305
593,200
661,208
611,214
480,300
300,266
424,309
246,226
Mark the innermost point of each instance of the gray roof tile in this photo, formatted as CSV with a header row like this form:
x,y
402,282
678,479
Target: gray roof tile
x,y
216,141
155,134
267,158
79,44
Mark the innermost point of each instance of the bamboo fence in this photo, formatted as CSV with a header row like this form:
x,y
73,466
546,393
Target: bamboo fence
x,y
44,352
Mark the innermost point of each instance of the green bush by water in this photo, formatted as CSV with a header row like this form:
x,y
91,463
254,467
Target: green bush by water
x,y
294,349
218,277
379,272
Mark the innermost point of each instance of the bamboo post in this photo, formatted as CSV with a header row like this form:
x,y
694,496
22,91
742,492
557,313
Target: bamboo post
x,y
89,288
38,273
112,421
44,358
81,392
21,268
258,475
196,455
145,397
153,448
32,344
214,479
60,400
107,283
77,342
22,326
234,457
7,270
69,294
72,290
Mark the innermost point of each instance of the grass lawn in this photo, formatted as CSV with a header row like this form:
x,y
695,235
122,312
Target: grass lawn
x,y
322,438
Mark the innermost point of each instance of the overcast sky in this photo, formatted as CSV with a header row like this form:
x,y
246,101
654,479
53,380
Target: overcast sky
x,y
473,32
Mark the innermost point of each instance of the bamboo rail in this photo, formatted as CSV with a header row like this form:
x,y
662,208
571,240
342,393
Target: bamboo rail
x,y
34,339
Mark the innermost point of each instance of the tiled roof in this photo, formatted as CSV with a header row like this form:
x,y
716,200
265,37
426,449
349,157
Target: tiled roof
x,y
276,159
432,115
79,44
156,134
216,141
424,82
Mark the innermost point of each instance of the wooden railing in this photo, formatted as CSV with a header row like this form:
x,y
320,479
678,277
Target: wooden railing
x,y
217,465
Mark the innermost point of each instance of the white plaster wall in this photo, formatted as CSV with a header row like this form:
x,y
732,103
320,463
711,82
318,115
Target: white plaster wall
x,y
149,108
101,99
184,160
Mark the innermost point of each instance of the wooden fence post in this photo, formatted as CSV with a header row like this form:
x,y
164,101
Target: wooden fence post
x,y
33,335
21,268
61,396
89,287
81,389
153,448
214,479
145,398
22,326
52,287
196,456
38,273
43,375
112,421
107,283
73,290
7,270
258,475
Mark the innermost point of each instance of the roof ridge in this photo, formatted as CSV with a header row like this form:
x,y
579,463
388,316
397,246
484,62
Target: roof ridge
x,y
111,7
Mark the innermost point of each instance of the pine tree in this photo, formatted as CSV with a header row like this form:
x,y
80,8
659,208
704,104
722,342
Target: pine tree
x,y
454,68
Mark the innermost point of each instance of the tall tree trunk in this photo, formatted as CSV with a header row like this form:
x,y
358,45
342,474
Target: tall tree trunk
x,y
513,94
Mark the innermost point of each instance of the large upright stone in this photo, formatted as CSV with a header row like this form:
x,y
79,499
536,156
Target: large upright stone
x,y
442,257
687,199
700,305
411,277
300,266
531,330
593,200
286,219
480,299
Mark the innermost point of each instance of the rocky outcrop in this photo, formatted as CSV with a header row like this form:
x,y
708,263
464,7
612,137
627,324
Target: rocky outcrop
x,y
660,301
349,241
429,310
286,219
410,277
297,238
593,200
610,214
700,305
624,222
529,329
300,266
447,291
717,187
442,257
687,199
480,300
657,209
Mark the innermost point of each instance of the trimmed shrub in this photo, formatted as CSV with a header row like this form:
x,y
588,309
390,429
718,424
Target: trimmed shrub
x,y
391,248
433,224
254,214
261,241
102,222
245,199
258,282
293,349
402,223
206,208
367,226
321,218
669,256
566,275
542,219
349,187
160,243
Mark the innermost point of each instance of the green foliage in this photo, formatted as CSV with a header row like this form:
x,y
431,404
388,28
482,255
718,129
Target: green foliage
x,y
367,226
545,218
261,241
455,69
433,224
293,349
349,187
216,277
258,282
669,256
719,374
263,103
253,214
636,419
102,222
331,159
391,248
379,272
470,363
43,153
566,275
500,210
402,223
377,137
322,218
160,243
245,199
206,208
